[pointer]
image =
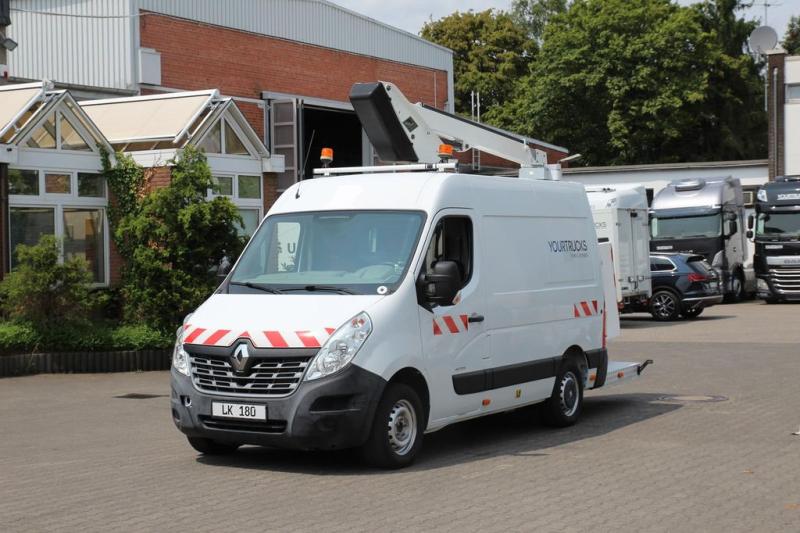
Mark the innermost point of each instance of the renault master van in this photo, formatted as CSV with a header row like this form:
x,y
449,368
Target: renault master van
x,y
368,310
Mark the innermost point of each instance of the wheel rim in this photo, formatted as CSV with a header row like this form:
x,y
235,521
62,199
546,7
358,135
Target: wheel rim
x,y
570,394
402,428
664,305
736,285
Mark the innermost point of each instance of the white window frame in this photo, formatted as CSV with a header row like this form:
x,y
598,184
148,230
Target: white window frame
x,y
59,202
241,203
84,134
789,97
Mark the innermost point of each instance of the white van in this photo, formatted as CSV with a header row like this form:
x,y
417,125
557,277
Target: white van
x,y
368,310
620,215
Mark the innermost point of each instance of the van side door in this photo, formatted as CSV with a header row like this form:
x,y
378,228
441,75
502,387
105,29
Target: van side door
x,y
453,336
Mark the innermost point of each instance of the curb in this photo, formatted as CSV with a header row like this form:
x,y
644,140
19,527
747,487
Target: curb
x,y
84,362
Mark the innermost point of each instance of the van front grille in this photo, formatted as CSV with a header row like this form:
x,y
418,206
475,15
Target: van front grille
x,y
786,279
268,376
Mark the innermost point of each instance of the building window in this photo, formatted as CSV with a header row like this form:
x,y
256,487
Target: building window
x,y
45,135
83,237
57,183
223,140
28,224
69,205
71,139
251,219
223,185
23,182
91,185
212,142
233,144
250,187
245,193
793,93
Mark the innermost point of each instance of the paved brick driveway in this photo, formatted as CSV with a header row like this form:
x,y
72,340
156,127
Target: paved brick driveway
x,y
76,457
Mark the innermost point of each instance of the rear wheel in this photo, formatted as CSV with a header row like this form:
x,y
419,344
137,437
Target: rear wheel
x,y
693,312
563,407
212,447
664,305
396,436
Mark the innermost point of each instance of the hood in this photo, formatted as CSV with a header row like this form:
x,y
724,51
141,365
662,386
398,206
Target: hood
x,y
272,321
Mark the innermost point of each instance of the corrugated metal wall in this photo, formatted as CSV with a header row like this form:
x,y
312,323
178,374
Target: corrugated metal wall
x,y
99,52
93,52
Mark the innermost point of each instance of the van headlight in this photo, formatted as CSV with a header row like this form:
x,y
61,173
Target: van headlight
x,y
340,348
180,359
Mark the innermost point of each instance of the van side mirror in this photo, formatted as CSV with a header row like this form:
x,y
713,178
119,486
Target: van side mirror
x,y
750,221
441,285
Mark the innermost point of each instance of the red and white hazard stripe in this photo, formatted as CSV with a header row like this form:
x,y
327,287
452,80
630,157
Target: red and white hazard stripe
x,y
260,339
450,324
584,309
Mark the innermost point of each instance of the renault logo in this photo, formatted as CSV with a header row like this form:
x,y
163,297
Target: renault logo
x,y
240,357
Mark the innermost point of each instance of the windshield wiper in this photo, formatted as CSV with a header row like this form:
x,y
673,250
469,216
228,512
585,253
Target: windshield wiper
x,y
250,285
321,288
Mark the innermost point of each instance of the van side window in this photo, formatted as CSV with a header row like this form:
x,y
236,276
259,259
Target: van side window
x,y
452,241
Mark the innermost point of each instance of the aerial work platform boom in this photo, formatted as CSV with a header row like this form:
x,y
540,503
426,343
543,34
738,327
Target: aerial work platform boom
x,y
413,133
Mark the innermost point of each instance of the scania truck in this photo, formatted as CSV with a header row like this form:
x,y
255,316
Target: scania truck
x,y
621,218
775,227
706,217
374,305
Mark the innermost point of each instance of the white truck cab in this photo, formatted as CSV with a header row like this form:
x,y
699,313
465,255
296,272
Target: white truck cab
x,y
371,308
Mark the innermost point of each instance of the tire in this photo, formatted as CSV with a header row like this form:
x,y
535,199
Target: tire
x,y
563,407
665,306
212,447
737,293
693,313
396,435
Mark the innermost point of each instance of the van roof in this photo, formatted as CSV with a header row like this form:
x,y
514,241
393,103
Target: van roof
x,y
624,196
429,192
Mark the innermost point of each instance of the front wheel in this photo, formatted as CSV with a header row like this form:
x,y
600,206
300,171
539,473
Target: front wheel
x,y
396,435
664,305
563,407
737,292
212,447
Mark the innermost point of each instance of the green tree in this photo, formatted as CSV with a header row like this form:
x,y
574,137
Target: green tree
x,y
620,81
490,52
534,15
791,41
171,238
734,123
43,290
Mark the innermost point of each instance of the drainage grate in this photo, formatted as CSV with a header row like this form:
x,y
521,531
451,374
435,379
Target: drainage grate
x,y
686,398
140,396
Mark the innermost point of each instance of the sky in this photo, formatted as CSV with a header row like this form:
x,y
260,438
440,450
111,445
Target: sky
x,y
410,15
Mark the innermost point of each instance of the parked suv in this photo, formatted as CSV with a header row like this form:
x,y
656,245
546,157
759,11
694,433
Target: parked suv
x,y
683,285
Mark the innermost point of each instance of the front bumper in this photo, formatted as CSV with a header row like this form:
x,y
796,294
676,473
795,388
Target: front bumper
x,y
330,413
771,292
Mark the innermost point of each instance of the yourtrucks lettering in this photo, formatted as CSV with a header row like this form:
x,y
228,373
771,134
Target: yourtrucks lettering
x,y
568,246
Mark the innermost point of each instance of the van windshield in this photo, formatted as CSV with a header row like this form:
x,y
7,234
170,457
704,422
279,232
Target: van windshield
x,y
360,252
686,227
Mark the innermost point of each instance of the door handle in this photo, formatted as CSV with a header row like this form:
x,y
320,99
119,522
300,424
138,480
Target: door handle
x,y
475,318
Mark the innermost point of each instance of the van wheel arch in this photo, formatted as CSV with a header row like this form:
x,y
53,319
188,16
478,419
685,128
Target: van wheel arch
x,y
413,378
575,353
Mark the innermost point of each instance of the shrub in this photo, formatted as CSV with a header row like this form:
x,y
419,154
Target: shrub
x,y
42,290
171,239
24,337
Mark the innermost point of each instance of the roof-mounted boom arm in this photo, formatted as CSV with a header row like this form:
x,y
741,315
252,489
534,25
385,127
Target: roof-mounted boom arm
x,y
402,131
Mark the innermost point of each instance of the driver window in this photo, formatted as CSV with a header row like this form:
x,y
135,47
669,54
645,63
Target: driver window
x,y
452,241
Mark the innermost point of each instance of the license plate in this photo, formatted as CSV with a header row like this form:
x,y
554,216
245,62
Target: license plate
x,y
238,410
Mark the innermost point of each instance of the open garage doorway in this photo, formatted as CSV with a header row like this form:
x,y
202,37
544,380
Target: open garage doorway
x,y
331,128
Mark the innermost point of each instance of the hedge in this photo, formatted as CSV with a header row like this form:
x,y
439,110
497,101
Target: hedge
x,y
22,337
